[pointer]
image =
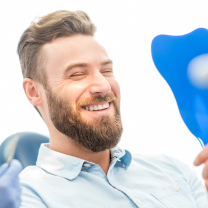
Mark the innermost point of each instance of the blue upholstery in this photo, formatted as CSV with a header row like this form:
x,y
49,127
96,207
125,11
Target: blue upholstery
x,y
27,147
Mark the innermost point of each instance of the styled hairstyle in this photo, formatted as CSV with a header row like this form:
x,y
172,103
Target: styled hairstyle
x,y
61,23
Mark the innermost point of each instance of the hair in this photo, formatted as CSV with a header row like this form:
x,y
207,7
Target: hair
x,y
61,23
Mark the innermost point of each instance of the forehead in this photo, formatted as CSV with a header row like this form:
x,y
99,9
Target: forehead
x,y
67,50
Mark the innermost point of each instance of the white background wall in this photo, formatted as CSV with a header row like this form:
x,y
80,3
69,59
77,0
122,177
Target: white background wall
x,y
151,120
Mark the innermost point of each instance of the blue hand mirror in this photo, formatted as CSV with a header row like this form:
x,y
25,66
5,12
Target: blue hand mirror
x,y
183,63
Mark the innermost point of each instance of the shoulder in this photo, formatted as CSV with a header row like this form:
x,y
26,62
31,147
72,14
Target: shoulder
x,y
161,159
158,158
31,186
32,175
31,171
164,162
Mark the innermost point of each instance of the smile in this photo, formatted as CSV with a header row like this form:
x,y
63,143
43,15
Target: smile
x,y
96,107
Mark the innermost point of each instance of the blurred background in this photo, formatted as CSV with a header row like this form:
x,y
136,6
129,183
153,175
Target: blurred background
x,y
151,120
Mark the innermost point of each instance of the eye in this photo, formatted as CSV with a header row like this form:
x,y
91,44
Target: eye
x,y
107,71
76,75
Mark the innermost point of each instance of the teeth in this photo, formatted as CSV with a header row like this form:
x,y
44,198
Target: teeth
x,y
99,107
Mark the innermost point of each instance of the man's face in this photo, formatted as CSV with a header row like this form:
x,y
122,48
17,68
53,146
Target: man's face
x,y
83,96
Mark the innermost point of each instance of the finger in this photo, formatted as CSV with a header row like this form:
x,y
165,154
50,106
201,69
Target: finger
x,y
14,168
15,181
18,202
202,156
3,168
205,171
206,185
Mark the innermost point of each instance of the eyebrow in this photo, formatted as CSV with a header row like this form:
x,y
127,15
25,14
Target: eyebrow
x,y
74,65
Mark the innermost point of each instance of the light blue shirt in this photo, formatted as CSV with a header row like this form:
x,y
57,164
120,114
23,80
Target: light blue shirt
x,y
63,181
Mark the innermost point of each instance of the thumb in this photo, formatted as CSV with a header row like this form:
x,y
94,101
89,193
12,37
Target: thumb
x,y
13,169
3,168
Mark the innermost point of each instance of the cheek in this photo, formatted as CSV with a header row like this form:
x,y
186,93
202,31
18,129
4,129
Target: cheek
x,y
73,93
115,88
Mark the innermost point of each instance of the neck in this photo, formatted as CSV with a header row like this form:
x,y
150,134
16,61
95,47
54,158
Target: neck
x,y
65,145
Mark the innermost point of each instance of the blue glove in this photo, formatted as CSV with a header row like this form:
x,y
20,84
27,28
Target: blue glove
x,y
10,189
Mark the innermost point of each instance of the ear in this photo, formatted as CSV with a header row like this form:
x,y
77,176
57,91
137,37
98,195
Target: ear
x,y
32,91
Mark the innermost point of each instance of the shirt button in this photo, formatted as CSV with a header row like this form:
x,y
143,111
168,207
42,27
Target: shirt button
x,y
139,202
87,165
175,188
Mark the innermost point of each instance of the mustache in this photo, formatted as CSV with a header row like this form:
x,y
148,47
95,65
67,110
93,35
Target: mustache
x,y
107,98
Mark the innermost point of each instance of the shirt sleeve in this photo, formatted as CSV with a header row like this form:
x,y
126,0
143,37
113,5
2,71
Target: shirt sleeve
x,y
198,190
30,199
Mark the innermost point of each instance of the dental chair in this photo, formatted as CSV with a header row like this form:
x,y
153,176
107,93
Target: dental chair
x,y
27,147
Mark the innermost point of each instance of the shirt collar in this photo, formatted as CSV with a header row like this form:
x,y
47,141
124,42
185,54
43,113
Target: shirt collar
x,y
123,155
68,166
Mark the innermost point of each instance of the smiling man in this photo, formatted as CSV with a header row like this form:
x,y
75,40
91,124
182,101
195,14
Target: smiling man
x,y
69,78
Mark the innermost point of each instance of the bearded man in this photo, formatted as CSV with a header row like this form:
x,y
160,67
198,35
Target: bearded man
x,y
69,78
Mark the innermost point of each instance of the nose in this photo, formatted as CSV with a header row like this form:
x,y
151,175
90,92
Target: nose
x,y
99,85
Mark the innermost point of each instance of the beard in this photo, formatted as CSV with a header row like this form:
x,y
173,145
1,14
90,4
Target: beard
x,y
98,135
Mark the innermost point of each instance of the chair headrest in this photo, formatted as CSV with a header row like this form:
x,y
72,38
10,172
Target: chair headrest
x,y
27,147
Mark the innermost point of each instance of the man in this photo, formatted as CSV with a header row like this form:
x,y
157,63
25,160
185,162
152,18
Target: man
x,y
69,78
10,189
